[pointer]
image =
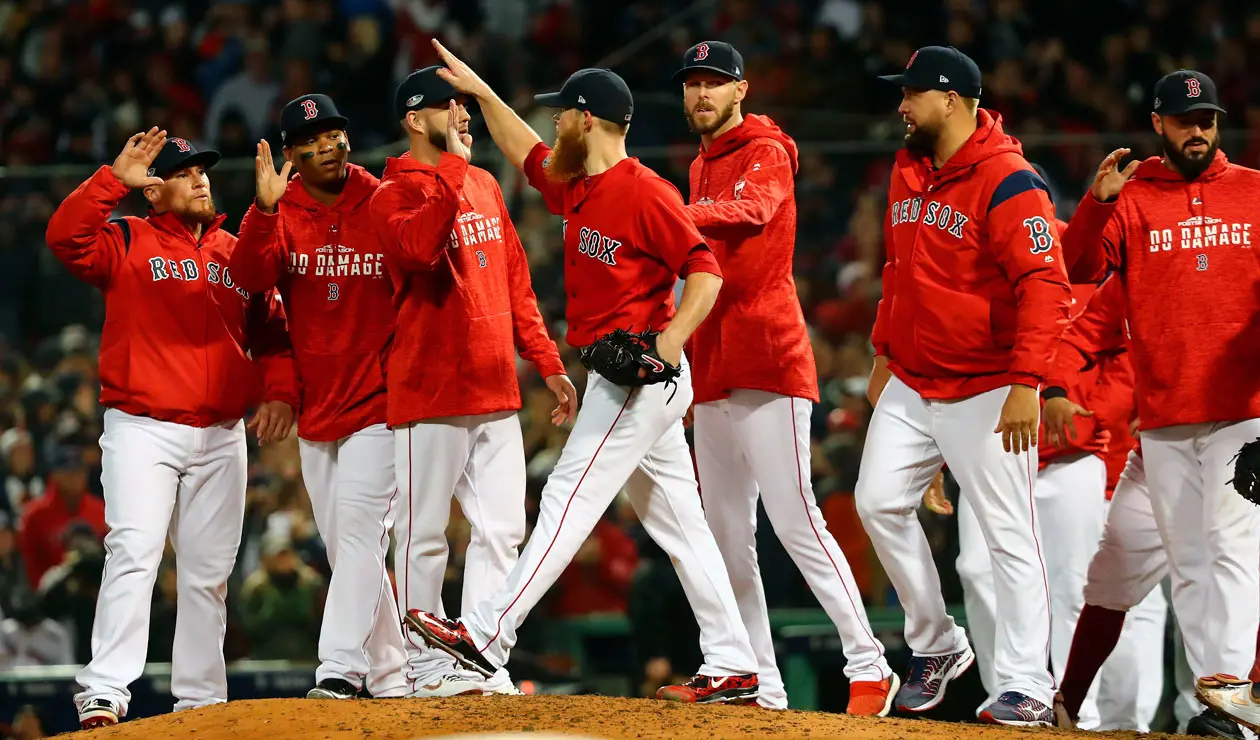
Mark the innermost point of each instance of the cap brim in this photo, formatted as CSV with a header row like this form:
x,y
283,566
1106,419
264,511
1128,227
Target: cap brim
x,y
551,100
1194,107
899,79
207,158
704,67
331,123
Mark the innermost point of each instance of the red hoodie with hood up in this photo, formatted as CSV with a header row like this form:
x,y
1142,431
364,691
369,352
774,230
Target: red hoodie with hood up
x,y
975,291
743,201
327,263
1186,251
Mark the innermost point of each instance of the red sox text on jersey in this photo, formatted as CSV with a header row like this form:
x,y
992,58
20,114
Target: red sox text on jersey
x,y
167,269
942,216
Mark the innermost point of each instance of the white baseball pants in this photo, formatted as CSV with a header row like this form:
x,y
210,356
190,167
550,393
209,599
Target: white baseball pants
x,y
352,489
163,478
632,438
479,461
908,440
756,444
1210,533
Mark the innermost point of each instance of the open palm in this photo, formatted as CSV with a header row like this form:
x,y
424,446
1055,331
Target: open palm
x,y
1110,179
132,165
270,184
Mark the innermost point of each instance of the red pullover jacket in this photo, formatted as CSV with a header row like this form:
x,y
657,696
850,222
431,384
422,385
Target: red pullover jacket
x,y
462,292
1186,254
975,292
327,263
744,203
177,327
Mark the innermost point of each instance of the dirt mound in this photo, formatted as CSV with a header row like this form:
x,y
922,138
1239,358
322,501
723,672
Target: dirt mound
x,y
590,716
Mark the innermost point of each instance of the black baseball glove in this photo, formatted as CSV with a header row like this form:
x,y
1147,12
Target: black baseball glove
x,y
1247,472
619,356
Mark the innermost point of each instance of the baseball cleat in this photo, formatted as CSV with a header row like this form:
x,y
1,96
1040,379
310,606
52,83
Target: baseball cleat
x,y
1232,697
1211,723
713,690
873,698
451,637
1015,709
927,678
448,685
333,688
99,713
1063,719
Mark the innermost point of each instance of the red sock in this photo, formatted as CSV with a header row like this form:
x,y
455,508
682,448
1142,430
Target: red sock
x,y
1097,632
1254,676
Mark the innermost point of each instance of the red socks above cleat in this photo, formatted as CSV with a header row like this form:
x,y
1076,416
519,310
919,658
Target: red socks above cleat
x,y
1097,632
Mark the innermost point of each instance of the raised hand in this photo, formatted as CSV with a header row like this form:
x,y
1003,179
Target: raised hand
x,y
460,75
456,143
270,185
1110,178
132,166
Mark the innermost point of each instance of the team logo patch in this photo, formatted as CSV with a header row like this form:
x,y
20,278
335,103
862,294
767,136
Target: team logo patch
x,y
309,110
702,52
414,100
182,145
1039,234
739,188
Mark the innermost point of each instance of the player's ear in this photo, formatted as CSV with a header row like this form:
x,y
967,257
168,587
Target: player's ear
x,y
588,122
741,90
153,194
1157,123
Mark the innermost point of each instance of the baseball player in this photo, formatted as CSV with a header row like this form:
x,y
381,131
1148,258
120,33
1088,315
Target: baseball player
x,y
176,381
754,376
974,299
1089,405
462,283
627,240
312,237
1179,230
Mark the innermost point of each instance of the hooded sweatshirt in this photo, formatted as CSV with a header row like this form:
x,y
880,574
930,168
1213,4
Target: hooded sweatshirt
x,y
743,202
1186,251
327,263
975,291
462,292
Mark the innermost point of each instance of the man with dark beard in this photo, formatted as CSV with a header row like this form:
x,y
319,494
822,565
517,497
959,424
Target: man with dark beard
x,y
185,353
627,240
313,238
755,379
462,291
1180,230
974,300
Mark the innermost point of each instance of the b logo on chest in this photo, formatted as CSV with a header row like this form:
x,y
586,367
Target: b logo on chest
x,y
941,215
593,244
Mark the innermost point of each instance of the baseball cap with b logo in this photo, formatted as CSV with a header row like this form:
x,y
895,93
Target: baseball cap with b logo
x,y
941,68
178,154
601,92
309,112
1183,91
713,56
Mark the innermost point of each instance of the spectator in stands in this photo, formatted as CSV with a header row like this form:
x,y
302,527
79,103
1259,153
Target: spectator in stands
x,y
12,571
69,590
21,484
29,638
46,520
598,580
282,605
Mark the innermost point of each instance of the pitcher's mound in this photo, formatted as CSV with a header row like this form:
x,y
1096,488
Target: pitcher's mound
x,y
540,716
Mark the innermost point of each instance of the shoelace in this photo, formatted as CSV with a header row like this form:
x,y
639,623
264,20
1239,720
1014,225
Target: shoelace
x,y
921,668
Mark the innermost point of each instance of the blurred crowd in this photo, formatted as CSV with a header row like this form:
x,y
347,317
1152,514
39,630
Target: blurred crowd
x,y
78,76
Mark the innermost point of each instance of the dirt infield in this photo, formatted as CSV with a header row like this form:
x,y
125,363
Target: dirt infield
x,y
589,716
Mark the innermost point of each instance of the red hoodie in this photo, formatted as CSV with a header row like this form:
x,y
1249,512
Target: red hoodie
x,y
1092,369
327,263
744,203
975,292
1185,251
179,332
462,292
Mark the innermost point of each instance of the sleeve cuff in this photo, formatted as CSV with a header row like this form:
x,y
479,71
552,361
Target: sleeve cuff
x,y
701,259
551,365
1054,391
1032,381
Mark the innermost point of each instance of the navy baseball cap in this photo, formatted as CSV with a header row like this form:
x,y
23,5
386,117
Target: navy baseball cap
x,y
714,56
179,153
422,89
941,68
308,112
1185,90
601,92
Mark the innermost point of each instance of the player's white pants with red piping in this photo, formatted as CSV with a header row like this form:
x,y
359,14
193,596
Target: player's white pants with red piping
x,y
352,489
1071,498
1124,575
479,461
632,438
754,445
1202,520
908,440
162,477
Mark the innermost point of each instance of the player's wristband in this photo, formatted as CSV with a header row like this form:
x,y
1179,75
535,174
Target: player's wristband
x,y
1054,391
